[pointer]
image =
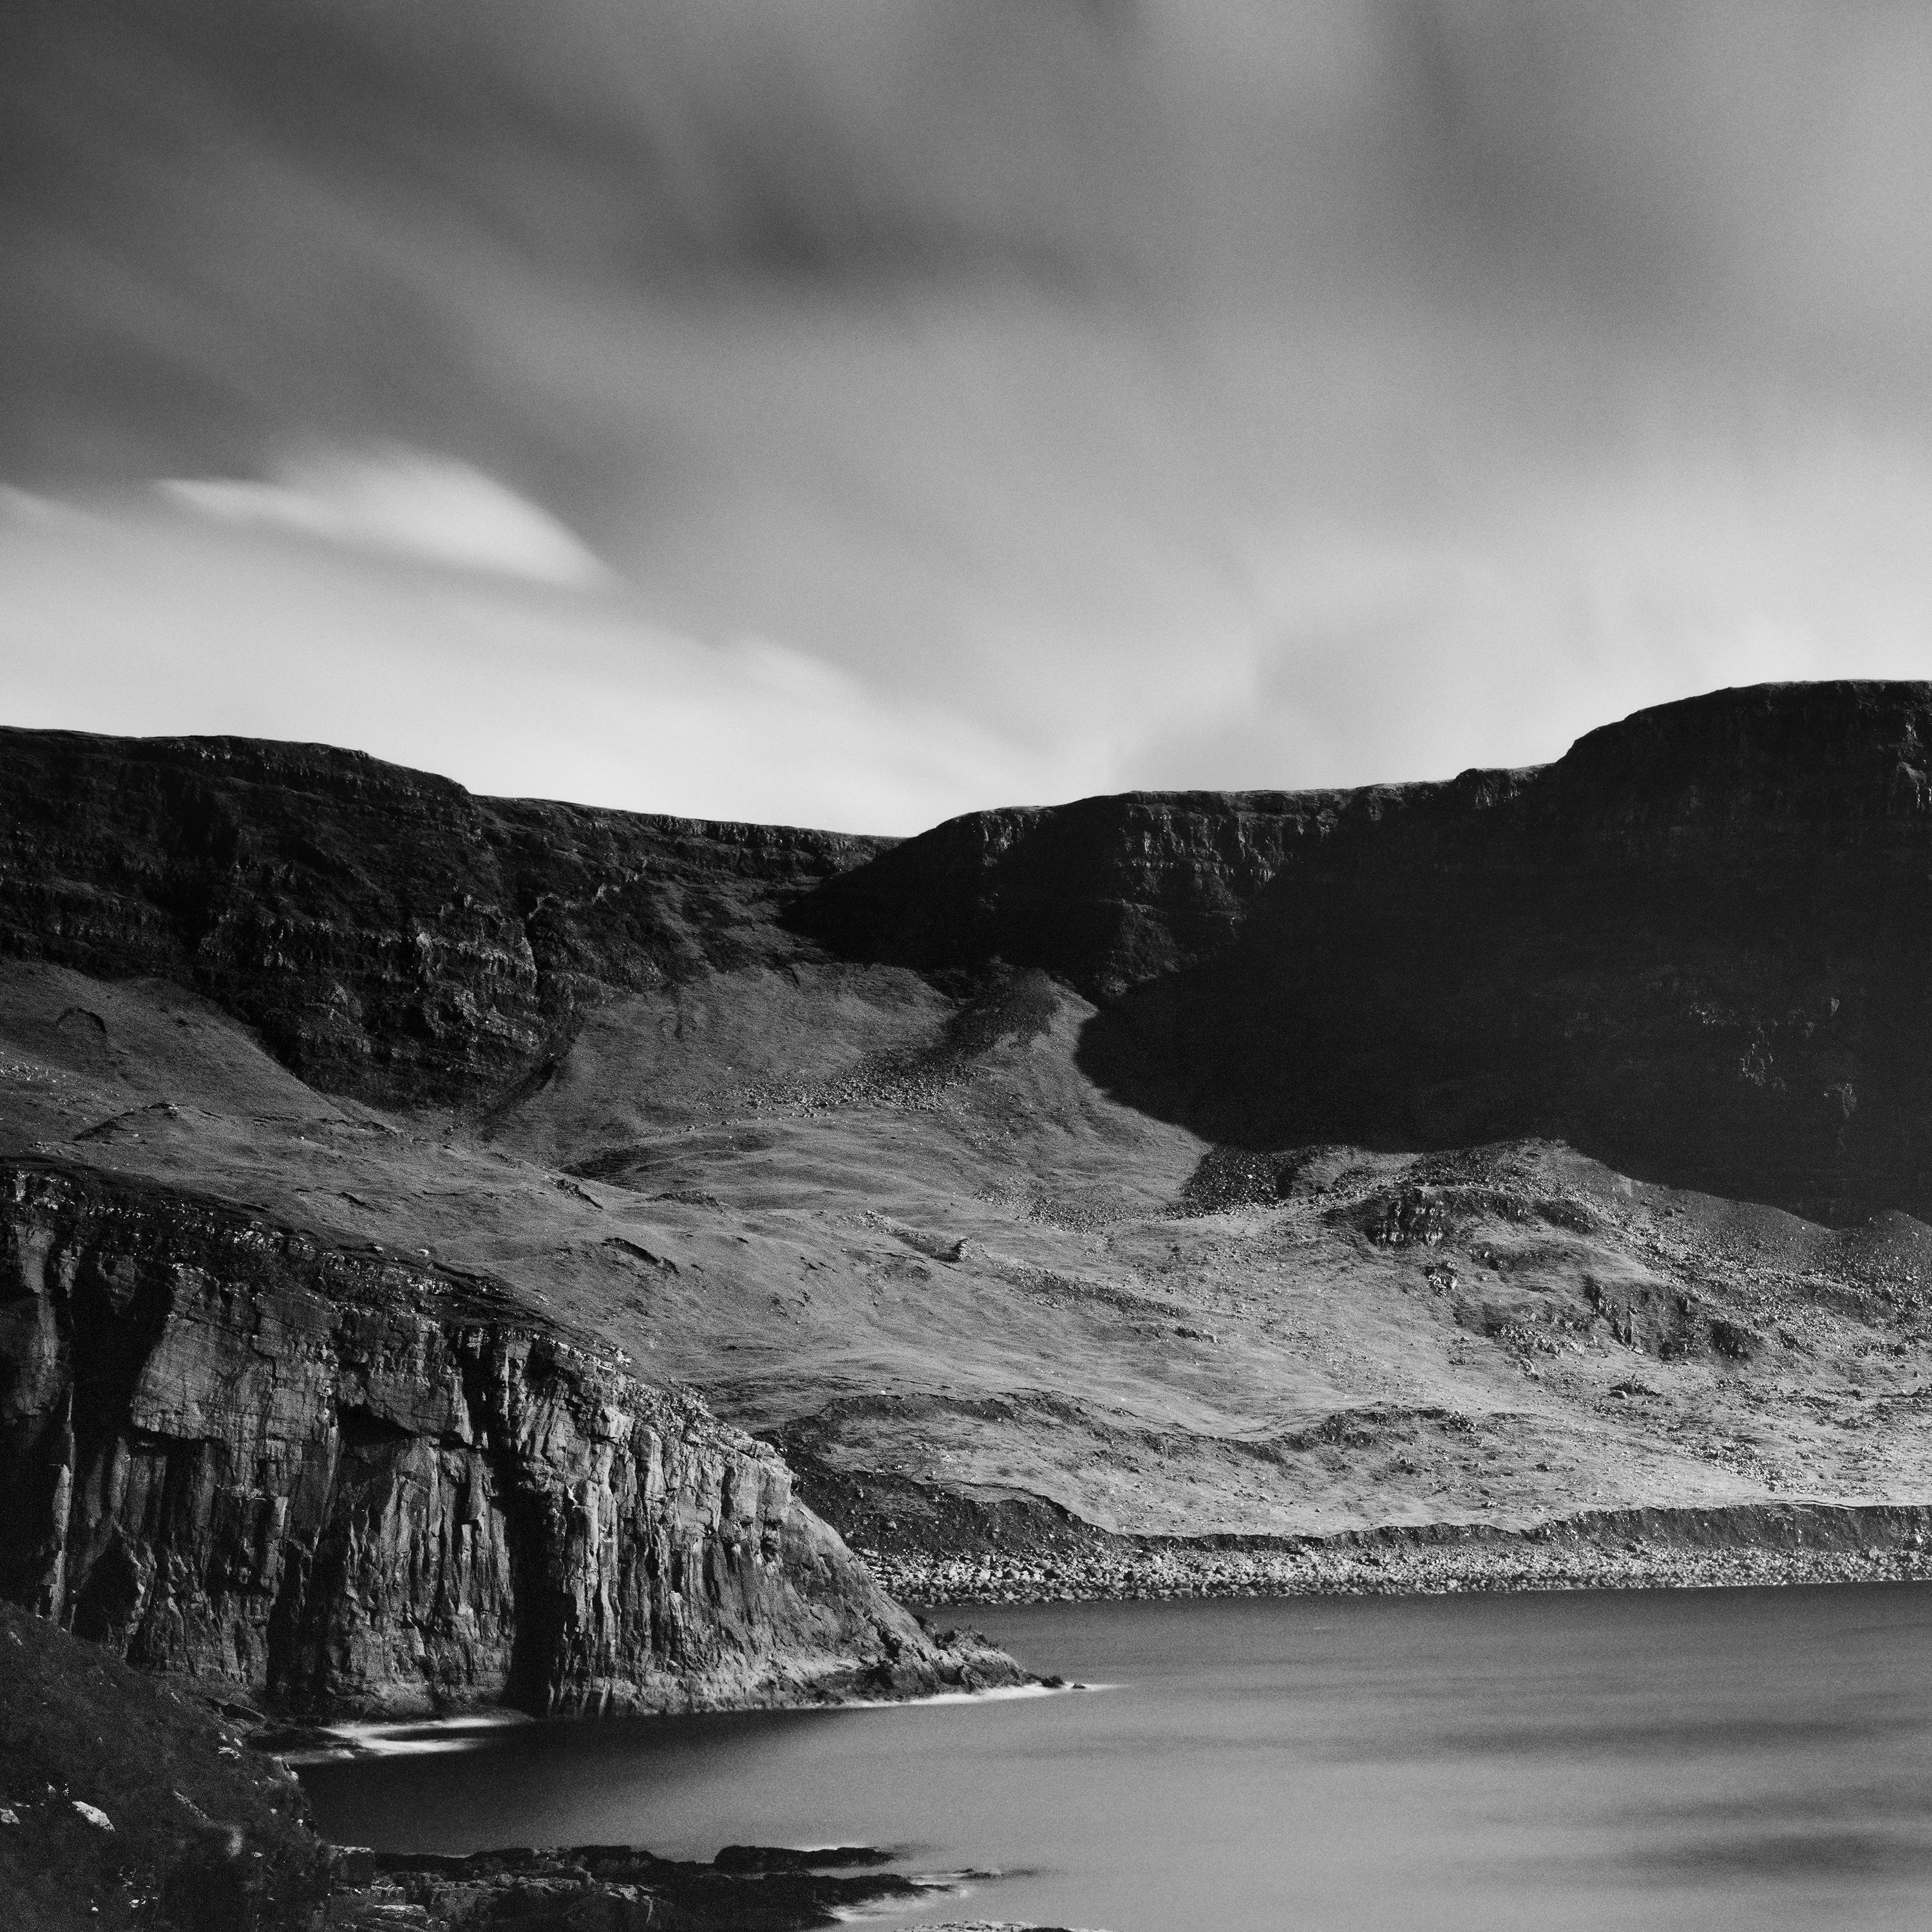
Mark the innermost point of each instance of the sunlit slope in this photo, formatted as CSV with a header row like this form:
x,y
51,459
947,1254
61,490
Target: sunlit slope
x,y
904,1235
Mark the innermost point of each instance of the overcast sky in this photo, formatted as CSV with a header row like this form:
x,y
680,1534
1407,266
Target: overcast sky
x,y
856,412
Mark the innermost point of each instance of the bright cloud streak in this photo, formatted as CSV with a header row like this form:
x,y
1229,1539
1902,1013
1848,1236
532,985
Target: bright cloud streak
x,y
402,501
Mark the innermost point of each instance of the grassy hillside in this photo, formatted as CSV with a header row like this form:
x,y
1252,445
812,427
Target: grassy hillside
x,y
981,1305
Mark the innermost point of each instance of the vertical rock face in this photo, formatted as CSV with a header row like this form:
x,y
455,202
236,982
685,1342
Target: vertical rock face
x,y
1693,947
1768,791
389,934
227,1449
1104,893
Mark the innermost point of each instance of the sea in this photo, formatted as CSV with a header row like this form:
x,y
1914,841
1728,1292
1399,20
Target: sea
x,y
1721,1760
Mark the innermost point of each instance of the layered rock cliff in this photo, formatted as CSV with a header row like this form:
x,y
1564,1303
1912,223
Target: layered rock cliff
x,y
1691,947
1687,945
1103,893
344,1481
389,935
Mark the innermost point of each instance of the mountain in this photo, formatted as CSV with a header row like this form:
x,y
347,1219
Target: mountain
x,y
382,932
1692,948
1516,1177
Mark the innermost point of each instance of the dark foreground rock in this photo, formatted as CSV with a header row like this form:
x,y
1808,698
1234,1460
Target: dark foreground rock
x,y
185,1825
616,1888
341,1482
129,1800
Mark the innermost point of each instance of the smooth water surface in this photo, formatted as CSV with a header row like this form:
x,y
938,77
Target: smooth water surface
x,y
1706,1759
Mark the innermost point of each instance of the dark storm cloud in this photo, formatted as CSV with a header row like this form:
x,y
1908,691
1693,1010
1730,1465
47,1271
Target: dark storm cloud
x,y
224,218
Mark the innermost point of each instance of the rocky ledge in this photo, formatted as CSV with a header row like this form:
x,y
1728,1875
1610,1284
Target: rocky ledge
x,y
341,1482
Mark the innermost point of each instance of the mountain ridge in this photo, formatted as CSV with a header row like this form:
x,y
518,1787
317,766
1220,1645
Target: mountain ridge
x,y
1484,1155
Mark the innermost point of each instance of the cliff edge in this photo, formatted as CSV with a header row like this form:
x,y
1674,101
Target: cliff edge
x,y
1688,948
345,1482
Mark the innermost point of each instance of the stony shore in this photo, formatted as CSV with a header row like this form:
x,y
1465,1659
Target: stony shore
x,y
1742,1546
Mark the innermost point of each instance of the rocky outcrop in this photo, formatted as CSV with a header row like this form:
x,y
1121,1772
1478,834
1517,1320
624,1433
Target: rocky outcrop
x,y
124,1802
344,1481
388,935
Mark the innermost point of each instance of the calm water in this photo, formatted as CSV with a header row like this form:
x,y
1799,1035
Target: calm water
x,y
1703,1759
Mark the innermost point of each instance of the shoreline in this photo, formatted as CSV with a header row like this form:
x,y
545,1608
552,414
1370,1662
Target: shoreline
x,y
354,1743
1738,1546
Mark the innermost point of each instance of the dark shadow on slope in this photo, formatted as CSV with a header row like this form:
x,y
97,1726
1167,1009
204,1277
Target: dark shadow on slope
x,y
1767,1039
1696,947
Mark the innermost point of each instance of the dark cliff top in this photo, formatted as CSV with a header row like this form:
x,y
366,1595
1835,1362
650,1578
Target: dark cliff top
x,y
1735,727
1805,720
389,935
1108,891
1721,738
332,773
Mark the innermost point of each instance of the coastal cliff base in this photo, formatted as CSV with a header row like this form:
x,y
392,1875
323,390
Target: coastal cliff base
x,y
339,1481
130,1802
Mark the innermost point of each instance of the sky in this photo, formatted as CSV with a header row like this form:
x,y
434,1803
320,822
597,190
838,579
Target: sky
x,y
858,411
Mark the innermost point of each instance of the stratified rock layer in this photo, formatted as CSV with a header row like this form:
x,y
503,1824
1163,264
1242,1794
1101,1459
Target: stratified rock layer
x,y
228,1449
1104,893
389,934
1693,947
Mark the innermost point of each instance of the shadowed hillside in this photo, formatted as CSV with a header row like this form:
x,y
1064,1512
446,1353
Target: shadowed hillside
x,y
1693,948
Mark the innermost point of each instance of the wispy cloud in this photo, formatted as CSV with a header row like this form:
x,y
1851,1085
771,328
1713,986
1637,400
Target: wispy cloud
x,y
403,501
